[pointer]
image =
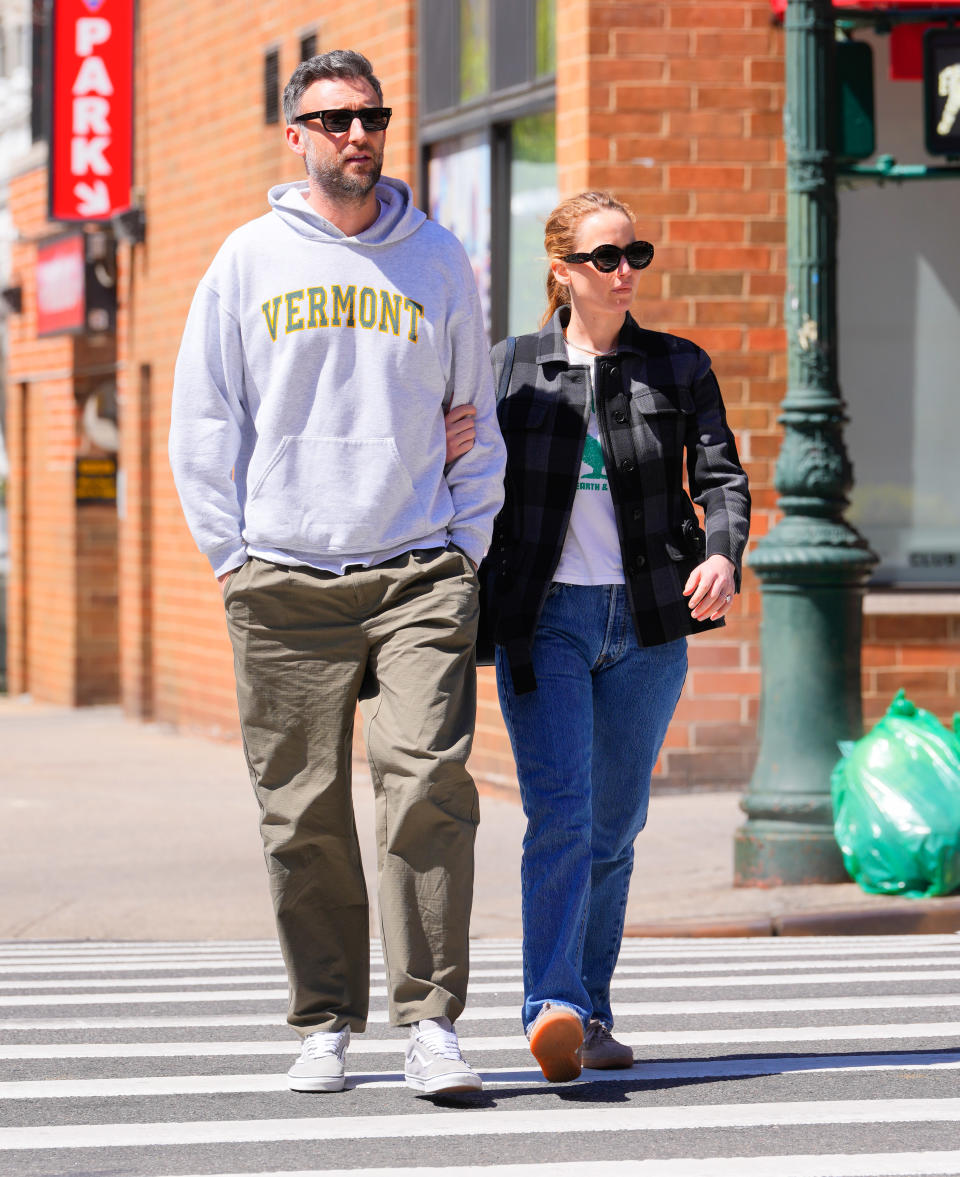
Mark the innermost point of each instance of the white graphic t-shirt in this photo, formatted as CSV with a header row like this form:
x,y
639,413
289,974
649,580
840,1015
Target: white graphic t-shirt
x,y
591,549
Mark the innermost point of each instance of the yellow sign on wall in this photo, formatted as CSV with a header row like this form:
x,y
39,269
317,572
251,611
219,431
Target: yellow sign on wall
x,y
96,480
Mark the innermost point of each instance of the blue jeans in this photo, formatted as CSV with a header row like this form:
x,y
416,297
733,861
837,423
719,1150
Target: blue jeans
x,y
586,742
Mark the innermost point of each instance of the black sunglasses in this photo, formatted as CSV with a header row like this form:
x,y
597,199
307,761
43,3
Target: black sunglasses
x,y
606,258
372,118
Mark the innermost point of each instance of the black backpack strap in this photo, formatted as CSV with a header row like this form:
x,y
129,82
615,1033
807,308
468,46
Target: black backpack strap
x,y
523,348
507,370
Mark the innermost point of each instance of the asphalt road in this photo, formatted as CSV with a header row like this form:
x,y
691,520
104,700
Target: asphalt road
x,y
765,1057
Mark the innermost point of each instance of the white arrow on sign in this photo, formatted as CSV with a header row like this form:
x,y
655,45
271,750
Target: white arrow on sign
x,y
93,199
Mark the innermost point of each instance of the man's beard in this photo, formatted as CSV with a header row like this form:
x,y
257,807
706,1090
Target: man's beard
x,y
331,176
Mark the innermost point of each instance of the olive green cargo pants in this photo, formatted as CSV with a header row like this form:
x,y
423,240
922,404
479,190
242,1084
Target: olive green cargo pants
x,y
398,639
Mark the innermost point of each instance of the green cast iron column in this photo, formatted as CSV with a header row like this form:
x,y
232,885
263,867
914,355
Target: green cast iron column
x,y
813,564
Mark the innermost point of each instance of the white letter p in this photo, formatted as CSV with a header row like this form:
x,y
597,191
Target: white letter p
x,y
91,31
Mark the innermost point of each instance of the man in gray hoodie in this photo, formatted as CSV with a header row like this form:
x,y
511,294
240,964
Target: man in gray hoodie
x,y
322,348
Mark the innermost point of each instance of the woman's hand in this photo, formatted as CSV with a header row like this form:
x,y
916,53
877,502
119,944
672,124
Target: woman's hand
x,y
460,424
710,587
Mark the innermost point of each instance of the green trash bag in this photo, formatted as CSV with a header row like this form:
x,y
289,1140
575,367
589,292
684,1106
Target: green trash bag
x,y
896,804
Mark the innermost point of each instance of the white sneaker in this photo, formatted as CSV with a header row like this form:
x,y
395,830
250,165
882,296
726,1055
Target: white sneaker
x,y
434,1064
321,1064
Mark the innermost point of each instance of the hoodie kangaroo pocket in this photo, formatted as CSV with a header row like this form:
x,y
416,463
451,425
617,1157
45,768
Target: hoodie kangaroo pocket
x,y
336,495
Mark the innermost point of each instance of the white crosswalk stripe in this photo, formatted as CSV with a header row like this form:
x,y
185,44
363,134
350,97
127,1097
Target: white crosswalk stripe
x,y
925,1164
483,1123
504,974
648,1009
843,1052
509,985
648,1072
948,1031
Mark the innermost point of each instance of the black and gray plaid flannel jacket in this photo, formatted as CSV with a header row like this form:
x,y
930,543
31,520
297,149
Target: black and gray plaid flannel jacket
x,y
658,404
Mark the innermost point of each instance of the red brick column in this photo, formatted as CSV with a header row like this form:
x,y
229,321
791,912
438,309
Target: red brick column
x,y
135,523
15,436
42,436
676,107
98,661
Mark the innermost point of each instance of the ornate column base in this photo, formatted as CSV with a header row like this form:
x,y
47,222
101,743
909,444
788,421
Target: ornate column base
x,y
785,853
810,650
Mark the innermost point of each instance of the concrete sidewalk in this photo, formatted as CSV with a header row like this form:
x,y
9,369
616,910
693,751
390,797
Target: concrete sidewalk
x,y
110,828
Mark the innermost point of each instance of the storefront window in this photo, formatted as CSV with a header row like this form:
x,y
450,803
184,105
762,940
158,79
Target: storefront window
x,y
533,194
459,179
488,131
546,37
899,354
474,49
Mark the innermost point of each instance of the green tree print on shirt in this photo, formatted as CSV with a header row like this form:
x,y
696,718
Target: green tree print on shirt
x,y
593,460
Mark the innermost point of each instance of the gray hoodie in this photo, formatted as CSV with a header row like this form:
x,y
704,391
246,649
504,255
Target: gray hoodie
x,y
307,423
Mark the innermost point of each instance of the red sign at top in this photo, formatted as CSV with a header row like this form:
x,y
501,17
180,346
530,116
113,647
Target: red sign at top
x,y
91,148
780,6
60,284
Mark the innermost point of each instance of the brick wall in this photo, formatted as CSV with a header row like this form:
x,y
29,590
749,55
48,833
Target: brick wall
x,y
919,653
492,760
136,541
62,595
694,150
206,160
677,108
41,440
98,652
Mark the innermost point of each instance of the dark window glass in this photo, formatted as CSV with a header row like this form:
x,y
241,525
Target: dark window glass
x,y
40,71
533,194
474,49
546,37
898,338
271,86
459,183
512,44
439,37
308,46
479,48
489,131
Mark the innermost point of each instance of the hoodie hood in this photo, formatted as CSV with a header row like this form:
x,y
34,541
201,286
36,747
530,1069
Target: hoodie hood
x,y
399,217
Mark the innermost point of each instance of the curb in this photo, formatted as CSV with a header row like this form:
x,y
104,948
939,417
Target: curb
x,y
924,918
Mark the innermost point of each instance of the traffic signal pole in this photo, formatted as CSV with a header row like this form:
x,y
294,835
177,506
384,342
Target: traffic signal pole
x,y
813,564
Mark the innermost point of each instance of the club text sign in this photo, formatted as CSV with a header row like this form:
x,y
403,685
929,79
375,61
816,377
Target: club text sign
x,y
91,149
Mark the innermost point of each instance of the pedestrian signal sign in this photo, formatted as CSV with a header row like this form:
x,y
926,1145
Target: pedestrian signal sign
x,y
941,91
855,118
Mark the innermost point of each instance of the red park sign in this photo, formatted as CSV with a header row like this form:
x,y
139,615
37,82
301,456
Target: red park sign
x,y
91,134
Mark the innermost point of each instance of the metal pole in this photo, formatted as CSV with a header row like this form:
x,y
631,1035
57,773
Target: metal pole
x,y
813,564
